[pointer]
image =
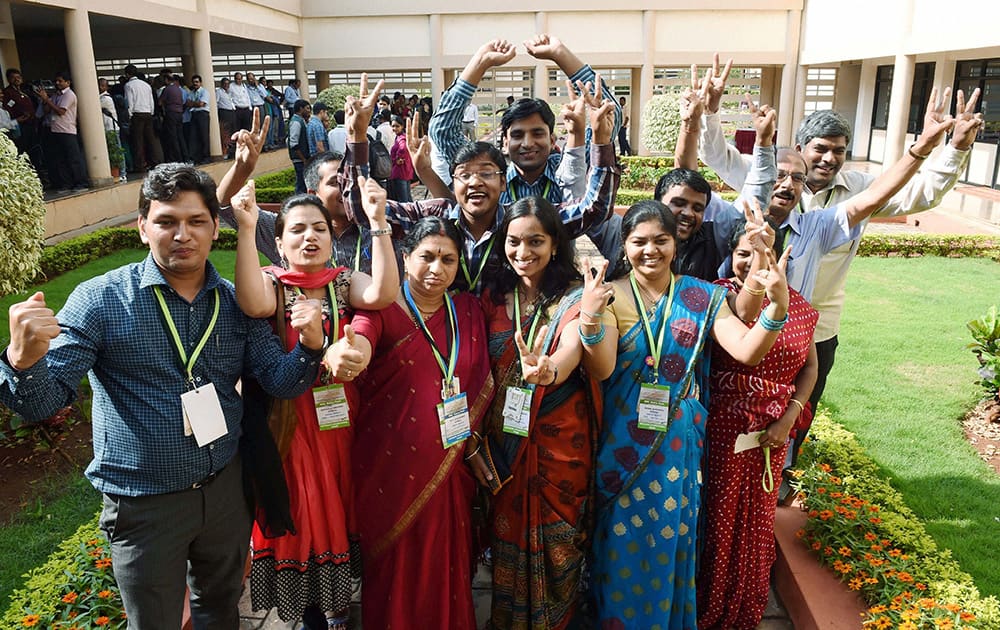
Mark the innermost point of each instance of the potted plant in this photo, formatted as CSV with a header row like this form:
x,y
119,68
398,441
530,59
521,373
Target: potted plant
x,y
22,213
116,154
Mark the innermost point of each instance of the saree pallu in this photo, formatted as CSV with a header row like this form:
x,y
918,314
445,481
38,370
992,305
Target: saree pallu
x,y
649,482
413,497
738,523
539,518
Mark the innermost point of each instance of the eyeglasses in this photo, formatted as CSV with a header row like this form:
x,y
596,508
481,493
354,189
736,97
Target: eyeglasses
x,y
484,176
798,178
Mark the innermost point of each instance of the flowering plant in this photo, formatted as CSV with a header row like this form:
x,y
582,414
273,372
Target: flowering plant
x,y
859,526
74,590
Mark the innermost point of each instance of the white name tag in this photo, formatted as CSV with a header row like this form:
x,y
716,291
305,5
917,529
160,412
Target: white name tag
x,y
203,414
654,407
517,411
332,411
747,441
453,416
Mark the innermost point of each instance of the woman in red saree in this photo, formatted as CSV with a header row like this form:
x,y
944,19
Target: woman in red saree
x,y
413,486
540,516
740,492
310,567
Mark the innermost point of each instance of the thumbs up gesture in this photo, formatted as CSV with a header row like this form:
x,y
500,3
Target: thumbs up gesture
x,y
344,359
32,326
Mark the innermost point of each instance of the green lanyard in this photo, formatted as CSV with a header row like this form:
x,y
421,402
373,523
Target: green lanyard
x,y
545,192
473,283
187,363
357,256
447,367
517,320
655,346
334,311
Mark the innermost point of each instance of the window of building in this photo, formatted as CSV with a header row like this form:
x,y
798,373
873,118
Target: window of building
x,y
985,75
923,80
820,86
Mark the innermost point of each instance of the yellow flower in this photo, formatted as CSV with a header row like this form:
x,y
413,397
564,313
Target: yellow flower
x,y
907,625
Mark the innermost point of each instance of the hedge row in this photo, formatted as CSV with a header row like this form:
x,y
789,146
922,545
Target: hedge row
x,y
946,245
627,197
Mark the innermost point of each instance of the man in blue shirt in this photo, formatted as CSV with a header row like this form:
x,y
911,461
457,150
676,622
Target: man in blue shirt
x,y
164,344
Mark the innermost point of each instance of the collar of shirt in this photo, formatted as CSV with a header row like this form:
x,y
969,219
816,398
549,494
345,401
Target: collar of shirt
x,y
152,276
549,174
838,181
468,240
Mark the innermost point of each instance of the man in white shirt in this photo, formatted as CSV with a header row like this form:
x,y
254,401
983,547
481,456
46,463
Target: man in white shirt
x,y
66,166
227,116
337,137
240,94
470,121
292,94
384,129
146,150
111,128
197,104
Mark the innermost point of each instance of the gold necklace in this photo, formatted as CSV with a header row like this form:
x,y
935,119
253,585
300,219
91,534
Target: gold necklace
x,y
647,296
529,307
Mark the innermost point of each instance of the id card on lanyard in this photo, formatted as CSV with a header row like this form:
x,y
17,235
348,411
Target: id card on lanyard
x,y
453,410
203,416
653,407
332,411
517,404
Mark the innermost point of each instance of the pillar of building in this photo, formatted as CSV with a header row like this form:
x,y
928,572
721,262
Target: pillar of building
x,y
799,102
540,80
634,108
438,80
645,77
770,85
300,71
201,40
90,120
899,107
188,62
792,81
8,46
321,81
861,141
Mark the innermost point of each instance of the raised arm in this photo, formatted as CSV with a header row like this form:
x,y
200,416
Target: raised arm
x,y
254,293
597,331
936,124
378,290
445,128
759,182
603,179
419,148
718,154
691,105
248,147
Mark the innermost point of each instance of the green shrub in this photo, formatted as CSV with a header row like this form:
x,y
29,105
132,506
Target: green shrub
x,y
335,96
627,197
661,121
986,333
281,178
22,219
948,245
860,526
653,161
74,588
275,194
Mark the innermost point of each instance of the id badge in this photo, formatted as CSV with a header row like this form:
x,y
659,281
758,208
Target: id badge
x,y
453,416
517,411
654,407
203,413
452,390
332,411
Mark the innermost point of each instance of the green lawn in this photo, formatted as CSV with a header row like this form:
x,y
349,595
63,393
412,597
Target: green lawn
x,y
63,503
903,380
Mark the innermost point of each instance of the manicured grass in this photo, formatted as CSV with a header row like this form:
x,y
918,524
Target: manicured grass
x,y
65,502
62,504
902,382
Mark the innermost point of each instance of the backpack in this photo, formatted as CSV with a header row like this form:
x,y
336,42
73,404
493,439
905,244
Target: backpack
x,y
379,162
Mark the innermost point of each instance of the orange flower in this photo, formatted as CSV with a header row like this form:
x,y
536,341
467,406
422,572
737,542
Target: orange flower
x,y
856,584
825,515
30,621
903,576
876,547
875,610
874,520
835,480
69,598
102,563
844,551
828,551
871,580
102,621
910,615
817,545
907,625
966,616
873,508
821,490
95,553
927,602
870,537
813,513
895,553
836,495
883,622
105,594
800,533
825,468
93,542
944,623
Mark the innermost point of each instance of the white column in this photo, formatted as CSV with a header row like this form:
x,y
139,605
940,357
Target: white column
x,y
540,86
8,47
791,86
799,107
90,120
438,82
645,75
863,115
300,72
202,45
899,108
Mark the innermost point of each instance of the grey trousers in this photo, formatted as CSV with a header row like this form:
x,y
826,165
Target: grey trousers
x,y
197,537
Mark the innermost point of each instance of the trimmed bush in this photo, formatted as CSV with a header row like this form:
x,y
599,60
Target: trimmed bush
x,y
661,121
335,96
947,246
22,219
276,194
285,177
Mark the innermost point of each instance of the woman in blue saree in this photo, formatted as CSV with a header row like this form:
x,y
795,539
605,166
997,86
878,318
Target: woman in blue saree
x,y
649,451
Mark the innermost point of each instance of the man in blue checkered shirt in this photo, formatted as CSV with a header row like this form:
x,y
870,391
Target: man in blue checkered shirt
x,y
527,127
164,344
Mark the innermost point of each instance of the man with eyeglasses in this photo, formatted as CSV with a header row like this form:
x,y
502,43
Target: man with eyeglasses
x,y
478,171
527,128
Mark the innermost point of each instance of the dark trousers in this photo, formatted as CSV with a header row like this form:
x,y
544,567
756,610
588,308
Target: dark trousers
x,y
244,117
300,182
146,150
170,135
198,536
399,190
198,149
66,166
227,127
624,148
